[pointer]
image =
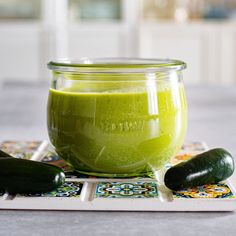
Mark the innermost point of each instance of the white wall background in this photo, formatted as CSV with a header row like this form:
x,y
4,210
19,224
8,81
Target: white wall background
x,y
209,48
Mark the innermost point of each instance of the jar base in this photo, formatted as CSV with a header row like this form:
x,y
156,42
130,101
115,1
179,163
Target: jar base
x,y
148,174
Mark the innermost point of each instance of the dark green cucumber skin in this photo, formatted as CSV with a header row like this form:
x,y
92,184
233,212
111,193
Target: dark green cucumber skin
x,y
4,154
25,176
209,167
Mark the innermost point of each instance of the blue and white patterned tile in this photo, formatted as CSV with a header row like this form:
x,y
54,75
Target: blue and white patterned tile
x,y
126,190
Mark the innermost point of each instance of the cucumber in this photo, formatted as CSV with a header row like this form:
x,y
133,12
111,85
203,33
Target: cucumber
x,y
209,167
4,154
25,176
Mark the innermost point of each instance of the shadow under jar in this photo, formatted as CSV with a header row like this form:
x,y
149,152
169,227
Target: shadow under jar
x,y
116,117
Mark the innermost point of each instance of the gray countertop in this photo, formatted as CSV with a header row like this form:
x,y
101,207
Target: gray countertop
x,y
212,118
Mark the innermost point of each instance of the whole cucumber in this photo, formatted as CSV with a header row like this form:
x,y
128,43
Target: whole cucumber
x,y
25,176
209,167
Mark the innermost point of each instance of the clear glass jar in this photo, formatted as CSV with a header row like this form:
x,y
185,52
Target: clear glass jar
x,y
117,117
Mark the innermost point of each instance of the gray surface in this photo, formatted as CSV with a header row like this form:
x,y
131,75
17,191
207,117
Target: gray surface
x,y
212,118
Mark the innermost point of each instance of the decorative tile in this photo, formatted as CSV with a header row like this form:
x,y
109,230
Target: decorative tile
x,y
68,189
20,149
186,152
220,190
194,146
126,190
179,158
53,159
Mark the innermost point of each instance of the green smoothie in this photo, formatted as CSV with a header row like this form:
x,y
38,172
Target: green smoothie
x,y
117,133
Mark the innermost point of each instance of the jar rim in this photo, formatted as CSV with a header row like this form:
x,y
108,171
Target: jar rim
x,y
116,65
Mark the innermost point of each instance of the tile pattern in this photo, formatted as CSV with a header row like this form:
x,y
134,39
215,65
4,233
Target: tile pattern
x,y
220,190
68,189
20,149
52,158
137,189
179,158
193,146
126,190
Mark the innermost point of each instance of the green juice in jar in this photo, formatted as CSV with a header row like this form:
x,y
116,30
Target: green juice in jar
x,y
117,133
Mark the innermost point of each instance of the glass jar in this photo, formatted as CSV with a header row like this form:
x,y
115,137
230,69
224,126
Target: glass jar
x,y
116,117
